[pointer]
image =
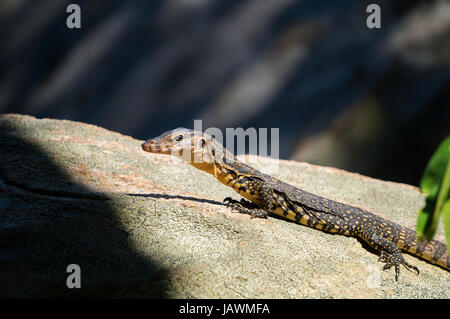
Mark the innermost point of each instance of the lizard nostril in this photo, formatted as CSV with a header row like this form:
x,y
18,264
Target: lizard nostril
x,y
152,142
145,146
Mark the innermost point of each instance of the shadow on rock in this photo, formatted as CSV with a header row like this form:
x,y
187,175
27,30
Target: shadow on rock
x,y
188,198
48,221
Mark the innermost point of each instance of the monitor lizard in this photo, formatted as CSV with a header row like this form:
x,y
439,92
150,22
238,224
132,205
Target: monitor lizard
x,y
264,194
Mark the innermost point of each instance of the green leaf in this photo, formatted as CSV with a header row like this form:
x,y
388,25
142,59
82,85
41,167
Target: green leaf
x,y
436,184
446,216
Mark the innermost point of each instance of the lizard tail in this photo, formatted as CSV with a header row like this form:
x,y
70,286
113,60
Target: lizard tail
x,y
433,251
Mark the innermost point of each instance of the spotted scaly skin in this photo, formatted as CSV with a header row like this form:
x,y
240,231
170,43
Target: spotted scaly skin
x,y
264,195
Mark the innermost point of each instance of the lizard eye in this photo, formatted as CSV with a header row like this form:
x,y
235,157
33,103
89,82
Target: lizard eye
x,y
178,138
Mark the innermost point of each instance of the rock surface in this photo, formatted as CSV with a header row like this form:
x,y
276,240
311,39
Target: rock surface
x,y
143,225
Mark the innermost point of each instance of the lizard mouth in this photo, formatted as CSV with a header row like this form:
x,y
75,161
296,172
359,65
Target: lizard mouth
x,y
152,146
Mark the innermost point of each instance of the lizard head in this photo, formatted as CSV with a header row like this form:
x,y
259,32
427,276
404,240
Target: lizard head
x,y
169,142
192,146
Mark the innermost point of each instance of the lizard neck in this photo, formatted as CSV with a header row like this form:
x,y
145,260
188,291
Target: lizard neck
x,y
206,167
229,173
216,170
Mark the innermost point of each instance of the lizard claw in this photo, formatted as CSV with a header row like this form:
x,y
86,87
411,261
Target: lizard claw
x,y
396,259
245,207
227,200
232,203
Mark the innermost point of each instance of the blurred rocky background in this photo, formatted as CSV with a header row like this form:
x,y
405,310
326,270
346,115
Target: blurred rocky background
x,y
373,101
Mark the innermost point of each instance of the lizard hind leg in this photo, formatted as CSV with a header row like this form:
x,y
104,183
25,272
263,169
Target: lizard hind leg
x,y
390,254
245,207
396,259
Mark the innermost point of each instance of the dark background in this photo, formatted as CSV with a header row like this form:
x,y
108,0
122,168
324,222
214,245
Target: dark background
x,y
371,101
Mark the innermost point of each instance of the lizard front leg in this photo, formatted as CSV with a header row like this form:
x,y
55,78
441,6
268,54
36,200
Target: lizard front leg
x,y
245,207
259,190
